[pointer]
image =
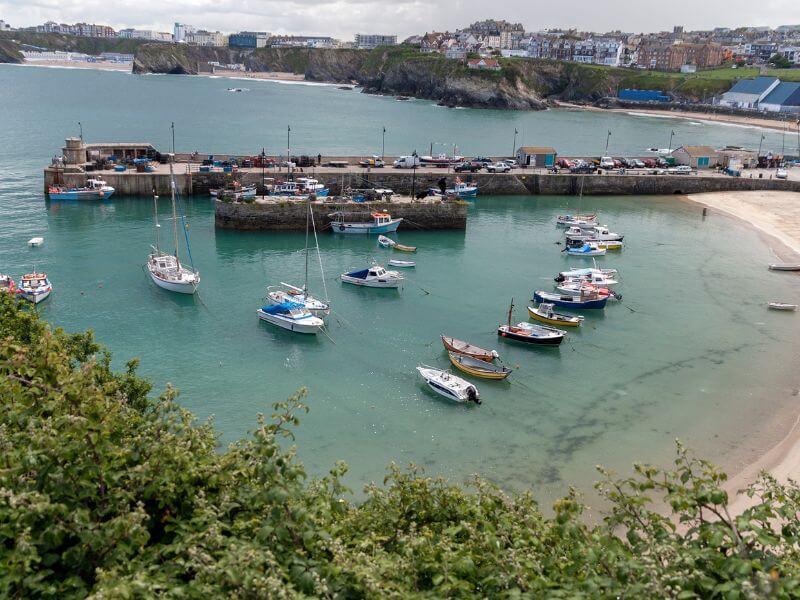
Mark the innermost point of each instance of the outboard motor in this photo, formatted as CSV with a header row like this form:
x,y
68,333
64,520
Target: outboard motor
x,y
473,395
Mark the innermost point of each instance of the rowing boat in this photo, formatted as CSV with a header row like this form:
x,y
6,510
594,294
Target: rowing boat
x,y
478,368
782,306
461,347
784,267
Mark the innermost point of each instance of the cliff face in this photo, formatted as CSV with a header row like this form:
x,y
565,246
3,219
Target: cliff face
x,y
9,52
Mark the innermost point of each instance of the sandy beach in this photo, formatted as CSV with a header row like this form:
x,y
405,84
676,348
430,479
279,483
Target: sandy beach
x,y
76,64
789,125
263,75
777,215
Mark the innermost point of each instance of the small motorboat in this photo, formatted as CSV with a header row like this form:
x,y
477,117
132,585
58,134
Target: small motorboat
x,y
578,287
587,249
289,293
7,284
381,223
447,385
585,272
478,368
600,232
95,189
595,278
541,335
784,267
375,276
35,287
587,300
402,264
234,191
461,347
292,316
580,220
608,245
35,242
782,306
545,313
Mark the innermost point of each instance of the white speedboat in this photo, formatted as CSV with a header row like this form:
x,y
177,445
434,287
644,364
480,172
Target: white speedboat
x,y
587,249
374,276
289,293
35,287
599,279
448,385
292,316
581,288
402,264
583,272
782,306
601,232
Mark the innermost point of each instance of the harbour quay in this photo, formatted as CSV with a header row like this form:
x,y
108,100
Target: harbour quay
x,y
139,169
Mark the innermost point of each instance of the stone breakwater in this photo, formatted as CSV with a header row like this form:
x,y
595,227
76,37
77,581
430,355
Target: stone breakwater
x,y
291,215
518,182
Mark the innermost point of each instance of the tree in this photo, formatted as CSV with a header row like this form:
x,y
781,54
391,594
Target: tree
x,y
108,492
779,61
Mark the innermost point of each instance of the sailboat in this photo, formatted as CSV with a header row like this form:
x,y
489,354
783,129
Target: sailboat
x,y
166,270
299,295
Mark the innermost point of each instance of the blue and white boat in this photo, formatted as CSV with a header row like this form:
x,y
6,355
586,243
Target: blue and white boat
x,y
462,190
95,189
302,186
586,300
35,287
375,276
292,316
381,223
586,249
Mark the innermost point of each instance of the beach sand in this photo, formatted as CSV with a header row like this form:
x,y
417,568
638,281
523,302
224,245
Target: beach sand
x,y
789,125
75,64
777,215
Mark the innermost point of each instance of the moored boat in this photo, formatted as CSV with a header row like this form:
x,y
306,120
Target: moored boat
x,y
541,335
35,287
782,306
374,276
402,264
587,300
545,313
578,288
289,293
95,189
381,223
449,386
478,368
7,284
584,272
784,267
595,278
586,249
460,347
234,191
292,316
581,220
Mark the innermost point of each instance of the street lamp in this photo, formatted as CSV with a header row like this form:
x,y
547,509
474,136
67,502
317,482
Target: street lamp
x,y
288,148
761,141
669,148
81,127
173,136
263,169
514,147
608,137
383,144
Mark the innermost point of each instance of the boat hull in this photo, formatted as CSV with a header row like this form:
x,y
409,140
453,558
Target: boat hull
x,y
565,301
527,339
570,322
374,283
479,368
172,286
37,296
365,228
308,327
81,195
466,349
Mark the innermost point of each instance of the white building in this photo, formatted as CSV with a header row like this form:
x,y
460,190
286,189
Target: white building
x,y
145,34
373,40
206,38
792,53
4,26
180,30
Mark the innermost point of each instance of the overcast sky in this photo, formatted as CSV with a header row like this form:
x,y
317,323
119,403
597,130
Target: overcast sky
x,y
343,18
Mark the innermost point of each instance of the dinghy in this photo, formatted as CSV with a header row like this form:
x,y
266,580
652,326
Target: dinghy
x,y
587,300
784,267
35,287
402,264
447,385
478,368
461,347
545,313
375,276
782,306
292,316
584,272
390,243
587,249
35,242
381,223
540,335
580,220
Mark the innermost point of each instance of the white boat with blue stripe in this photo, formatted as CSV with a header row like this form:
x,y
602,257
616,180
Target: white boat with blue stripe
x,y
381,223
95,189
292,316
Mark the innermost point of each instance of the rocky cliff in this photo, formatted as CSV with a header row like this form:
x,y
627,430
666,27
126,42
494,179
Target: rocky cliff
x,y
9,52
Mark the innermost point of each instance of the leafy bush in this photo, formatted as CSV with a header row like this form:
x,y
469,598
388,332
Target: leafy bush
x,y
110,493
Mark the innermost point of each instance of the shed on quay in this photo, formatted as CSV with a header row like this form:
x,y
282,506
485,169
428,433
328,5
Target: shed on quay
x,y
697,157
536,156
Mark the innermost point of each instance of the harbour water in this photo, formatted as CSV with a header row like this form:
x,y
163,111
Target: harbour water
x,y
690,352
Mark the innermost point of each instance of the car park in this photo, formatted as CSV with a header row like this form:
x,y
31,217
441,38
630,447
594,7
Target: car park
x,y
638,164
606,162
471,167
498,167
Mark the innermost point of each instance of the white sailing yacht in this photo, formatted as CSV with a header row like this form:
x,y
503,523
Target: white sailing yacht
x,y
166,270
300,295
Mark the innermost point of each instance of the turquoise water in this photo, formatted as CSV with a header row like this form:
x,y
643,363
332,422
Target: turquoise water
x,y
690,352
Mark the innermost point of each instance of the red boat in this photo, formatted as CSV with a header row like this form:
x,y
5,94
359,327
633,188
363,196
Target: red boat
x,y
7,284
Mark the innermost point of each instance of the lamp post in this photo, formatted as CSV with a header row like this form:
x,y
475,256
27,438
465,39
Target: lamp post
x,y
80,125
383,144
514,146
263,169
761,141
173,136
288,148
669,147
608,137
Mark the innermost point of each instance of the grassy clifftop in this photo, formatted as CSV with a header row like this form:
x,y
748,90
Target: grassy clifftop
x,y
70,43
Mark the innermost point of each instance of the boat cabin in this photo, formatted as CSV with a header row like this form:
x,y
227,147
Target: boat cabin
x,y
33,280
382,218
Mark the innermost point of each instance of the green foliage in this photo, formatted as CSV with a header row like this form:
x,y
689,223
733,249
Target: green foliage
x,y
73,43
109,493
779,61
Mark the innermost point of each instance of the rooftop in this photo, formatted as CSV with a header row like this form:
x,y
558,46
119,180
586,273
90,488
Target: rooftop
x,y
538,150
783,94
757,86
698,151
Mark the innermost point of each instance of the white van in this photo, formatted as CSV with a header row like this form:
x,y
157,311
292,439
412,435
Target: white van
x,y
407,162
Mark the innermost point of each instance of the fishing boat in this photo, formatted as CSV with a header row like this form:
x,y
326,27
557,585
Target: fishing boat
x,y
302,186
402,264
441,160
545,313
312,186
540,335
587,300
447,385
784,267
95,189
600,232
7,284
292,316
478,368
166,270
381,223
592,276
586,249
300,295
608,245
461,347
462,190
375,276
782,306
577,288
35,287
234,191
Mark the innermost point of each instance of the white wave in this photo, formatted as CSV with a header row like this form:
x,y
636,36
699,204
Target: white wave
x,y
638,114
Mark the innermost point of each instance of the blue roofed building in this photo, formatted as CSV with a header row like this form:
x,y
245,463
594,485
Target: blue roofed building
x,y
784,98
747,93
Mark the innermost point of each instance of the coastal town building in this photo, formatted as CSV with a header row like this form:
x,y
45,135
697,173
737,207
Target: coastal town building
x,y
205,38
785,97
4,26
79,29
145,34
373,40
747,93
248,39
671,57
180,30
302,41
536,156
735,157
483,64
697,157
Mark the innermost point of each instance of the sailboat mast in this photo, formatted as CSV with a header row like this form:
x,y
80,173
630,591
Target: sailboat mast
x,y
308,212
510,310
174,211
155,219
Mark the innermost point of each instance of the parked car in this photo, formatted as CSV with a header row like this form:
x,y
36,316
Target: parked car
x,y
565,164
406,162
482,160
606,162
498,167
583,169
471,167
376,162
511,162
638,163
681,170
782,174
650,163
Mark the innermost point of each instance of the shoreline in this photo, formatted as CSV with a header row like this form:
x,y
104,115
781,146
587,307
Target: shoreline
x,y
703,117
765,212
75,64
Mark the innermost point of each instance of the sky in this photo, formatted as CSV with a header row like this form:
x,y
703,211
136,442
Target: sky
x,y
343,18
